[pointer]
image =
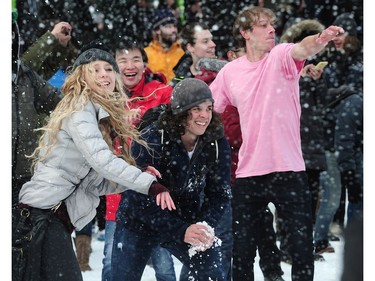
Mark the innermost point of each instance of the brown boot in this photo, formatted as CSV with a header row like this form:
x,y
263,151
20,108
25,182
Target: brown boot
x,y
83,250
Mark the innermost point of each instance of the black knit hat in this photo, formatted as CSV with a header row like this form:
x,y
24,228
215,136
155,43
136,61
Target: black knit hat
x,y
163,17
347,22
94,51
189,93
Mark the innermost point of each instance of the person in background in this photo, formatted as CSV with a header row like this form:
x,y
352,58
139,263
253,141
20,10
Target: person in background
x,y
164,50
346,104
197,41
32,98
56,47
264,87
348,108
191,153
145,90
74,162
345,67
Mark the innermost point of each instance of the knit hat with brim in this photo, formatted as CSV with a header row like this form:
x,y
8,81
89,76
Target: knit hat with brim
x,y
95,51
189,93
163,17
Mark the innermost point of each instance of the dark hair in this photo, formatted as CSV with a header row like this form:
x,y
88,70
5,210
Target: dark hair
x,y
187,34
132,45
174,124
352,44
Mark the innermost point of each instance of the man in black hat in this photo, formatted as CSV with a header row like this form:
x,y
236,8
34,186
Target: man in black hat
x,y
164,50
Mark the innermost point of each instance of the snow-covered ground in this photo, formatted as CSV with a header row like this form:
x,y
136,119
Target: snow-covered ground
x,y
328,270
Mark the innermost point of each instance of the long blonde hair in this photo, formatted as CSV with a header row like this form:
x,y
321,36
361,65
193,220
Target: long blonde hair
x,y
77,93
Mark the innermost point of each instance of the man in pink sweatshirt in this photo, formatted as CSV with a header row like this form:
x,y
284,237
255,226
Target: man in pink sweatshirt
x,y
263,85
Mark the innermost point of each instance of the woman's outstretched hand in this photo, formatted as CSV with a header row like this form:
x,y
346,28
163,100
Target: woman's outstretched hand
x,y
165,200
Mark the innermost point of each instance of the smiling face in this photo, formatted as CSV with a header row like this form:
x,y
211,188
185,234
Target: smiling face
x,y
199,119
131,67
104,76
204,46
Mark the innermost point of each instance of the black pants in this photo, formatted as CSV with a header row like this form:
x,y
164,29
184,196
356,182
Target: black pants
x,y
58,259
290,194
269,253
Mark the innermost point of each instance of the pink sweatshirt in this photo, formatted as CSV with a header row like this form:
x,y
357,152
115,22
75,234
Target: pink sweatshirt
x,y
266,94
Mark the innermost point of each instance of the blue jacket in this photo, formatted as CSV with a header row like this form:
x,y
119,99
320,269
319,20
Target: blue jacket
x,y
200,186
346,106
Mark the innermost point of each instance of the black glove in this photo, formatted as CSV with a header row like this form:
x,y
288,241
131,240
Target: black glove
x,y
352,184
157,188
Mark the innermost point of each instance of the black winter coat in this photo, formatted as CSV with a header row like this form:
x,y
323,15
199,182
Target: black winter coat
x,y
312,98
200,186
347,107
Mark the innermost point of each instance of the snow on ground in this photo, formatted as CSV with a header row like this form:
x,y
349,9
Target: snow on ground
x,y
328,270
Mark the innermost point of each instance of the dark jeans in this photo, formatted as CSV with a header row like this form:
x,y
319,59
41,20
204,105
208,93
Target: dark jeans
x,y
131,252
87,230
290,194
223,231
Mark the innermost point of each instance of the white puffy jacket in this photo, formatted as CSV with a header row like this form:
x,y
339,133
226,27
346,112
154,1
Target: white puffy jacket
x,y
80,148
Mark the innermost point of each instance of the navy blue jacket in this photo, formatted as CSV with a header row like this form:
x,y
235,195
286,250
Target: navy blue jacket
x,y
349,133
346,106
200,186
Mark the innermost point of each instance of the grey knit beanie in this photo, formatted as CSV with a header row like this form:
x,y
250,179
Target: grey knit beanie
x,y
95,54
189,93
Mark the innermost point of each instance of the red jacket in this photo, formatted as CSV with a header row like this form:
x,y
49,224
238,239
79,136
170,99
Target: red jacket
x,y
232,130
151,92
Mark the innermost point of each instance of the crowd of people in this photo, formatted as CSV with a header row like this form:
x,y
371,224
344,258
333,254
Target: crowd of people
x,y
178,124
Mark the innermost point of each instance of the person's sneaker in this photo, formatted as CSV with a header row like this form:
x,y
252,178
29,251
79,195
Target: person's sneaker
x,y
323,246
273,277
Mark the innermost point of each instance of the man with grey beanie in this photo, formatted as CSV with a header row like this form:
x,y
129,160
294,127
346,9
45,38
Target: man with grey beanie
x,y
189,149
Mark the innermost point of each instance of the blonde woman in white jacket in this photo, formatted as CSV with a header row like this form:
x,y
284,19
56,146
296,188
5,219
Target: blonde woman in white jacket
x,y
75,161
